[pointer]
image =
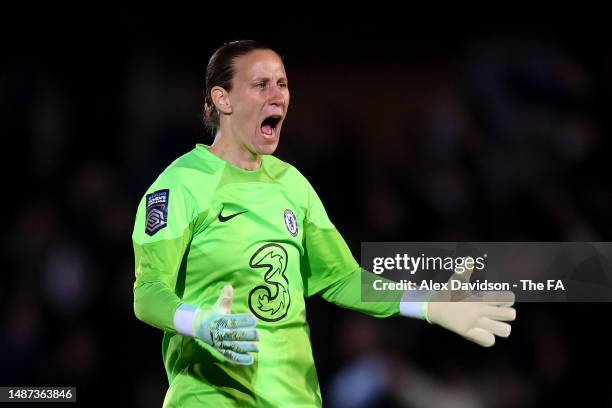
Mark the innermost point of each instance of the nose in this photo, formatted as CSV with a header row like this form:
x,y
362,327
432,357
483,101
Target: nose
x,y
277,96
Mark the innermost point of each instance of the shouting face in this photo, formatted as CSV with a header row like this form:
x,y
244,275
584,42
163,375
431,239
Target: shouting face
x,y
257,103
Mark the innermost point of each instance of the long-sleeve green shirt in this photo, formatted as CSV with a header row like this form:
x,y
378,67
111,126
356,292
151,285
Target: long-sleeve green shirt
x,y
205,223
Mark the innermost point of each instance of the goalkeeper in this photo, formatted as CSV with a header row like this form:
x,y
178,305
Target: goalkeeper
x,y
230,240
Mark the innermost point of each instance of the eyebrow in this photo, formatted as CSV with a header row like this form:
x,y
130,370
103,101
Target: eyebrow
x,y
267,79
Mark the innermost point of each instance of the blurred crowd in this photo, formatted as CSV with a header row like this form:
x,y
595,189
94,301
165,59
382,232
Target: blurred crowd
x,y
498,139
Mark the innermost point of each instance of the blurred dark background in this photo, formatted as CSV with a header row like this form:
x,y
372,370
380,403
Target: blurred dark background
x,y
410,129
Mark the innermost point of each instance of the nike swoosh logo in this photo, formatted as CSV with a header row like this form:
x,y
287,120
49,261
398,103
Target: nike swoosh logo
x,y
223,218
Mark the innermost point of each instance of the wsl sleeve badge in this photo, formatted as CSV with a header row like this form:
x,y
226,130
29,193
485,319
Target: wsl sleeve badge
x,y
157,211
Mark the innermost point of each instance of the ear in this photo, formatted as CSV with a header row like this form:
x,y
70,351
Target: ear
x,y
221,100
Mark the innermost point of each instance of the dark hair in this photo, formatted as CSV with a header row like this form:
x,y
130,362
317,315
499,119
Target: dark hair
x,y
220,71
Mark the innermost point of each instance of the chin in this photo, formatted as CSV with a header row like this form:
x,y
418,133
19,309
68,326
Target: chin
x,y
264,145
267,148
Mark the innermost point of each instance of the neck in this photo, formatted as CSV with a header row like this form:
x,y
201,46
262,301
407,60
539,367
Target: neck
x,y
234,153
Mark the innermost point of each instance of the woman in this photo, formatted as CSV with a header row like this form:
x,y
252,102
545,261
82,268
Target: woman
x,y
229,240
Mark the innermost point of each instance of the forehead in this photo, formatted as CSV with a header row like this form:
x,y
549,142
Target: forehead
x,y
259,63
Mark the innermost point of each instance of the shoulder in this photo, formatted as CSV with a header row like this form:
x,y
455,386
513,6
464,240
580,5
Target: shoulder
x,y
193,165
191,174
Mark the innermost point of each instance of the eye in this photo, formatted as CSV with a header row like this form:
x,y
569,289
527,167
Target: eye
x,y
283,85
260,85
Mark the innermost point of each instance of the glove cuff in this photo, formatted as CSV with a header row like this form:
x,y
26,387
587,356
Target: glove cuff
x,y
414,304
184,319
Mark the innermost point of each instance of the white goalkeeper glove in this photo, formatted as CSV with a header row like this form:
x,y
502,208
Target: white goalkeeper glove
x,y
477,316
232,335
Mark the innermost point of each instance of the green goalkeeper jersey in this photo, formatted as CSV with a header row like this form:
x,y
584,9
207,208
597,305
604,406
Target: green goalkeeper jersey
x,y
205,223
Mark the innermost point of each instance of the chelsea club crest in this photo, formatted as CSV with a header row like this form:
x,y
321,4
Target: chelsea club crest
x,y
291,223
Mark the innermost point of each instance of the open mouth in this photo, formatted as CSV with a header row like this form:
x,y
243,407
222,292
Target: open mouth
x,y
269,124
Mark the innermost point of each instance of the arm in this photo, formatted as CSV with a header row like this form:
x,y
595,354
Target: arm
x,y
331,270
162,232
347,293
164,228
333,273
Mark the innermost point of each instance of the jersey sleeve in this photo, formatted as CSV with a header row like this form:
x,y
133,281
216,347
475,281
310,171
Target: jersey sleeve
x,y
162,231
327,258
329,267
347,291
